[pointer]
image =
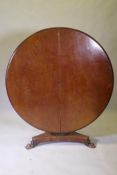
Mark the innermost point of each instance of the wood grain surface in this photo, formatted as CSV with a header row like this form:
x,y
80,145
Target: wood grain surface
x,y
59,80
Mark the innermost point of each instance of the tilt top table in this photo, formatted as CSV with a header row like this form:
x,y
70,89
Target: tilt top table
x,y
59,80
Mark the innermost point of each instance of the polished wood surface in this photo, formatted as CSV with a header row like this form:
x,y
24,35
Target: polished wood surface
x,y
59,80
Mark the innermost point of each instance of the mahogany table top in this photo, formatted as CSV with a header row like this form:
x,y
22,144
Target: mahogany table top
x,y
59,80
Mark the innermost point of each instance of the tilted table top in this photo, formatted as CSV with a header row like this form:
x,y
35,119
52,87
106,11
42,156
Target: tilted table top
x,y
59,80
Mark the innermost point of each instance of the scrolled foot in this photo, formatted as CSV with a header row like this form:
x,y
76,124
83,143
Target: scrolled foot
x,y
91,145
30,145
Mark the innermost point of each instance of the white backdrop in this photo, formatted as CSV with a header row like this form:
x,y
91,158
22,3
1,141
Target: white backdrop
x,y
18,20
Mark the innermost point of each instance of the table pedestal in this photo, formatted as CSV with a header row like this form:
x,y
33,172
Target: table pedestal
x,y
54,137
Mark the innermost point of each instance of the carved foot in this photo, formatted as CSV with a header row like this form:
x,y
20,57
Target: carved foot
x,y
90,144
31,145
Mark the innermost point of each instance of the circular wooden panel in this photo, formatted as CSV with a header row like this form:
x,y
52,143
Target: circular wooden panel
x,y
59,80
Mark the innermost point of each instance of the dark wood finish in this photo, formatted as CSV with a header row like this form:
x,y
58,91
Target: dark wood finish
x,y
71,137
59,80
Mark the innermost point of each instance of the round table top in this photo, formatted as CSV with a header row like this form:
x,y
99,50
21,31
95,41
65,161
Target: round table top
x,y
59,80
